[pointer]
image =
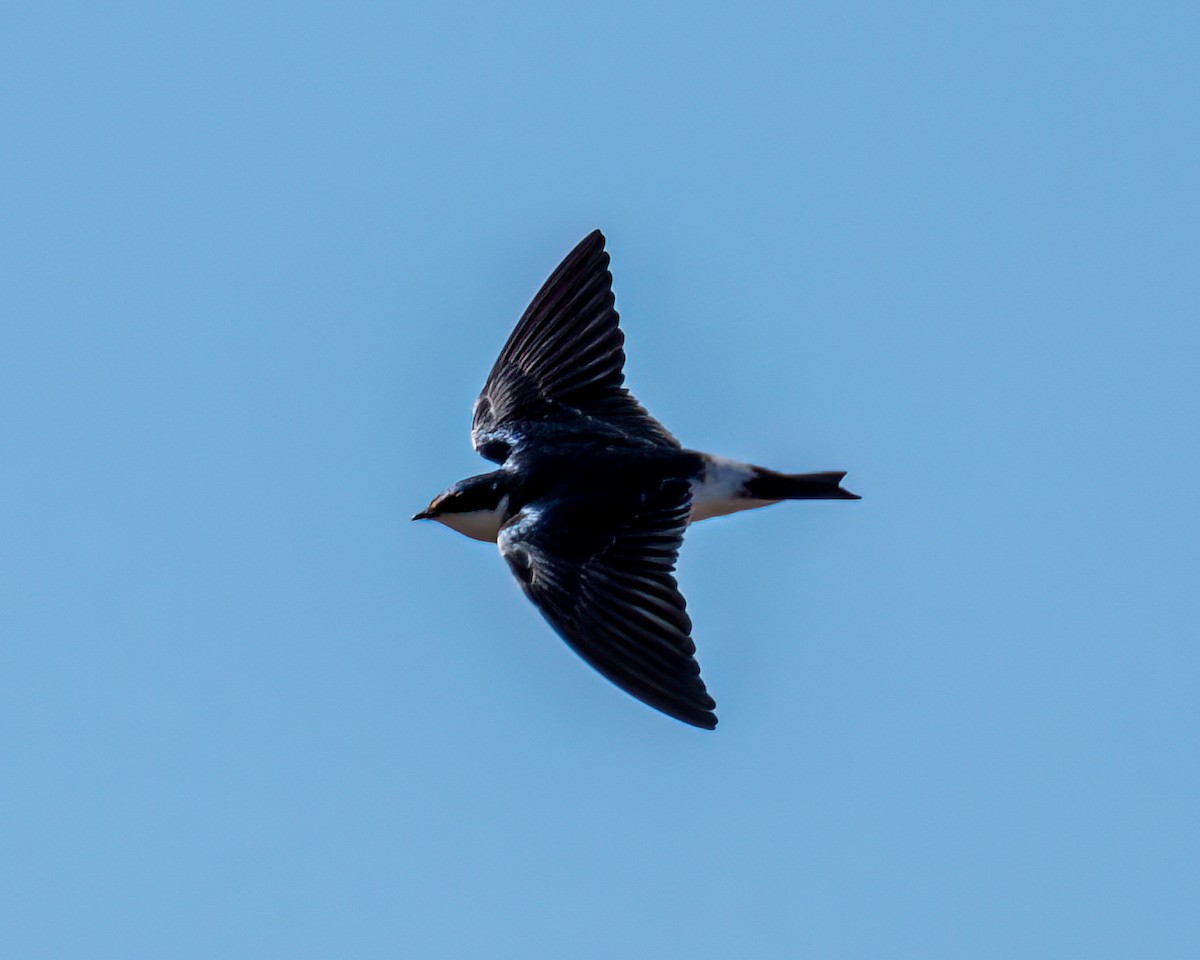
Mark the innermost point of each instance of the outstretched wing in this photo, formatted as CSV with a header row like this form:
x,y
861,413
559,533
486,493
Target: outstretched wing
x,y
564,362
605,583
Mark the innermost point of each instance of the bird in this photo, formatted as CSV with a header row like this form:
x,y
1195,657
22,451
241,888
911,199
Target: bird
x,y
592,495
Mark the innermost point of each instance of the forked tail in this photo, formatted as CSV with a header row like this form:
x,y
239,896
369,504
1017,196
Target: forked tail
x,y
769,485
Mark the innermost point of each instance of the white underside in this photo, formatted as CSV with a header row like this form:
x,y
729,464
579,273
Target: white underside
x,y
478,525
718,491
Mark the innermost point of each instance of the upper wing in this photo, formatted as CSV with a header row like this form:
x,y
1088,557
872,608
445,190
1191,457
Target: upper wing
x,y
610,594
564,362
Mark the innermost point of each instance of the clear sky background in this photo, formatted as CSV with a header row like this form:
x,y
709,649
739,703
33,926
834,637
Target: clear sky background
x,y
257,260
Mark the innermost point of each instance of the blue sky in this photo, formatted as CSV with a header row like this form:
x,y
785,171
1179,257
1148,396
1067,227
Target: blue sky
x,y
257,260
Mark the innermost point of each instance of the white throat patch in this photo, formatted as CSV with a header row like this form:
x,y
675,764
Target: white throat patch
x,y
477,524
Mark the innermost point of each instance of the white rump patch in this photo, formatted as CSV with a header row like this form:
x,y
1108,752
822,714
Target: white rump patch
x,y
719,490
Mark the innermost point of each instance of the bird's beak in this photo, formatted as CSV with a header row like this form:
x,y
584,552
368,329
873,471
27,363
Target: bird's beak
x,y
423,515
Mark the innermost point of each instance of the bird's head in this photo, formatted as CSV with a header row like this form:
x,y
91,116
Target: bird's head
x,y
475,507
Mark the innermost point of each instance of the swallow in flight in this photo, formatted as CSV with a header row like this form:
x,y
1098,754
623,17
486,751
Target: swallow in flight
x,y
593,495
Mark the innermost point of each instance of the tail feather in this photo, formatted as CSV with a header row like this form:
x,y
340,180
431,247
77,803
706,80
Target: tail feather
x,y
769,485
